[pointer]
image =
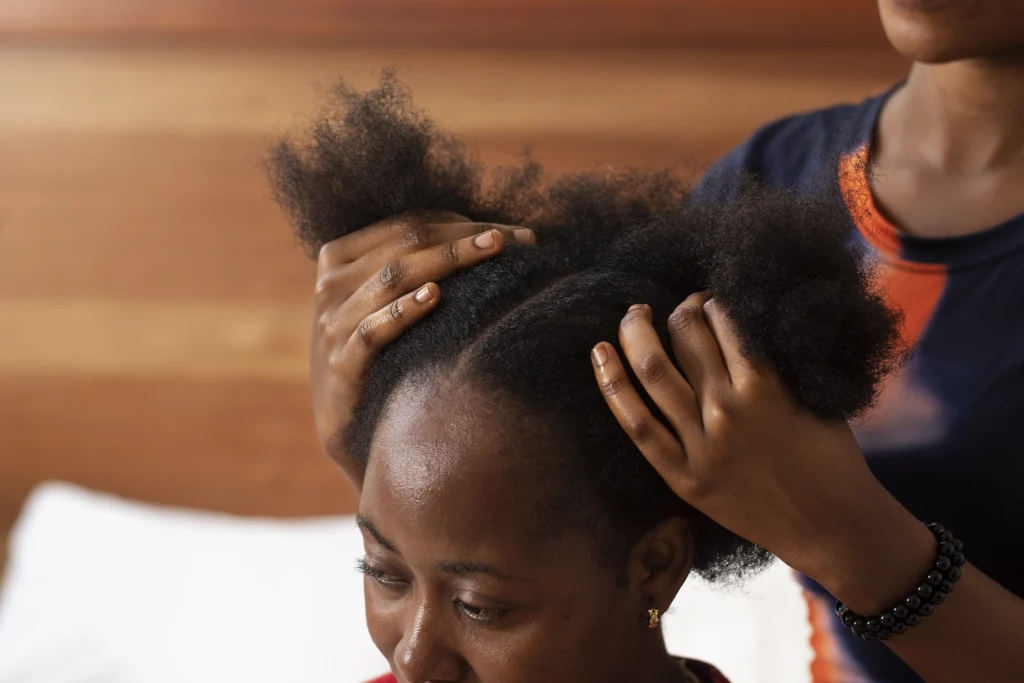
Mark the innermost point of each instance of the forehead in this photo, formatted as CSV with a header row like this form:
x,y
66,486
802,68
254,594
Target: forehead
x,y
460,470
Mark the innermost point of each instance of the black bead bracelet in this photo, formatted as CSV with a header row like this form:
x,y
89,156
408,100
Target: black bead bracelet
x,y
928,595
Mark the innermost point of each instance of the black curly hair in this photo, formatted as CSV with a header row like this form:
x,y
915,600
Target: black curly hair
x,y
522,325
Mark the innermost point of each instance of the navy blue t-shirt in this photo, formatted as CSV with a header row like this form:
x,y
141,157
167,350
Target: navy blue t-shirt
x,y
947,437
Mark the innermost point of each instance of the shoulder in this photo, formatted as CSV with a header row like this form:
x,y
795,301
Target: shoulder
x,y
797,151
701,672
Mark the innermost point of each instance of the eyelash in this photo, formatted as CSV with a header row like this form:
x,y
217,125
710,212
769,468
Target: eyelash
x,y
379,576
483,615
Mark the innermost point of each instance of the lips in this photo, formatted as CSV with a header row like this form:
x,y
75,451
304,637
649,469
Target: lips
x,y
922,6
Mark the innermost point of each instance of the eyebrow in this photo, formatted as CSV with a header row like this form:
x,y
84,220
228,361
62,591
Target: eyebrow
x,y
364,523
464,568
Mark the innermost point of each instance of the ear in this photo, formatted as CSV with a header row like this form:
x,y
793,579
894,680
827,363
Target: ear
x,y
660,562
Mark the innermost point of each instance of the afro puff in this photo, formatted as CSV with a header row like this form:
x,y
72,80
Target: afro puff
x,y
522,324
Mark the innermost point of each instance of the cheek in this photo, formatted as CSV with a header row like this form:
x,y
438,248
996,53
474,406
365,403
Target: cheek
x,y
583,638
381,621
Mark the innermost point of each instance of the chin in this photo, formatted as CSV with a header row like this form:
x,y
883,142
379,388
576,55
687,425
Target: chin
x,y
925,42
937,31
927,50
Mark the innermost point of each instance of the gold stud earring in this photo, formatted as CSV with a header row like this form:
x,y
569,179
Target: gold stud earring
x,y
652,618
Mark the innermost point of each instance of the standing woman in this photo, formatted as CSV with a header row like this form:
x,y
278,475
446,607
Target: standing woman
x,y
932,174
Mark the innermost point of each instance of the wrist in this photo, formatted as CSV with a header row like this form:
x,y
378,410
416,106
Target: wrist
x,y
877,559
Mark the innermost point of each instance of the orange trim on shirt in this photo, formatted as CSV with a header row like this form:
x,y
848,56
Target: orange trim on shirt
x,y
914,288
915,293
825,665
856,187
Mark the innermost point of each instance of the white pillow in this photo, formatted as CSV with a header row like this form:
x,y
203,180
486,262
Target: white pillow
x,y
104,589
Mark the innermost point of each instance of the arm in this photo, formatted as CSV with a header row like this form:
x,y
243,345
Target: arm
x,y
739,451
371,286
976,634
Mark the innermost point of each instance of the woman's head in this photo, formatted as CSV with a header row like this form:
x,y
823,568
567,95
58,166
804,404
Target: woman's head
x,y
478,566
485,440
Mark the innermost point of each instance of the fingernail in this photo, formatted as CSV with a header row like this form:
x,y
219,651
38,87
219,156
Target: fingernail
x,y
485,241
599,355
637,306
424,294
523,236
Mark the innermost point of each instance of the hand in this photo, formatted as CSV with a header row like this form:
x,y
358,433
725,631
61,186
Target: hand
x,y
371,286
741,452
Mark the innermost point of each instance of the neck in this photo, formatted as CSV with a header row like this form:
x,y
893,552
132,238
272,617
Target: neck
x,y
963,115
658,667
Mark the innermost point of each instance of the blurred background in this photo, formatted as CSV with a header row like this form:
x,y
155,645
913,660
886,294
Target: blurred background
x,y
153,304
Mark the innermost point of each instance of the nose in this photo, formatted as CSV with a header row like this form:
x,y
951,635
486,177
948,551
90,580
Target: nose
x,y
424,654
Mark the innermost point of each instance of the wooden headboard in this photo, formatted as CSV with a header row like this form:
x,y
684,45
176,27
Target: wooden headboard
x,y
153,304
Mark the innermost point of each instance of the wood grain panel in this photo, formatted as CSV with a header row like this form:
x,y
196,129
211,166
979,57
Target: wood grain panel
x,y
222,445
532,23
264,92
243,446
169,339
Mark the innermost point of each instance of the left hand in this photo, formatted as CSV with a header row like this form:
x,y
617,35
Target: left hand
x,y
372,285
741,452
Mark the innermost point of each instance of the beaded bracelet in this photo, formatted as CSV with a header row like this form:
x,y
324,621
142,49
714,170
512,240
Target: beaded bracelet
x,y
922,602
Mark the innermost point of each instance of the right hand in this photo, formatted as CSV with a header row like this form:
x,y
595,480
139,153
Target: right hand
x,y
371,286
736,446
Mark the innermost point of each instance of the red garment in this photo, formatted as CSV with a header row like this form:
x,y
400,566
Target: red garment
x,y
701,672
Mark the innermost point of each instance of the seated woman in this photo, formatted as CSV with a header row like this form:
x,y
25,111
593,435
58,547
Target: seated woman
x,y
513,532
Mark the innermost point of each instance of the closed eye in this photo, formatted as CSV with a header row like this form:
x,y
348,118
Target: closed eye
x,y
379,575
484,615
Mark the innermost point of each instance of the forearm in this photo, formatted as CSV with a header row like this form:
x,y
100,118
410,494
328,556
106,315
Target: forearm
x,y
977,634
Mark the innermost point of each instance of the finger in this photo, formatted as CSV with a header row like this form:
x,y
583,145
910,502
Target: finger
x,y
669,390
437,234
385,273
382,241
695,348
739,366
406,273
382,327
354,245
655,441
363,268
